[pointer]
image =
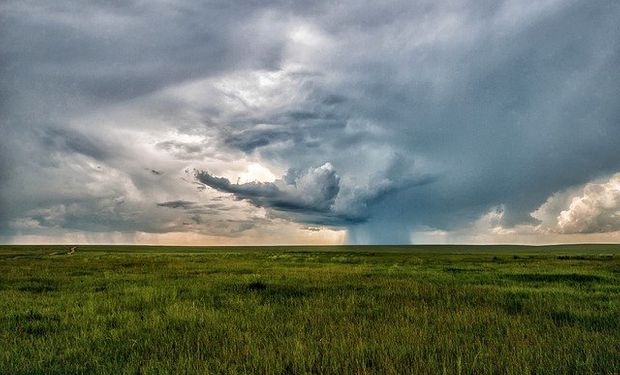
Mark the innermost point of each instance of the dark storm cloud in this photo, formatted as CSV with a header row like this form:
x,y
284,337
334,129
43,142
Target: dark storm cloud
x,y
195,207
314,190
509,120
301,124
251,139
315,196
117,52
432,112
66,59
66,140
177,204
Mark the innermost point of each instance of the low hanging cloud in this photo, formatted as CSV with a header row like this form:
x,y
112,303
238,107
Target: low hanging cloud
x,y
312,191
317,195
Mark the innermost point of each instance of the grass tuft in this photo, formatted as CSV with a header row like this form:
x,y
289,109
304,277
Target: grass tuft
x,y
257,286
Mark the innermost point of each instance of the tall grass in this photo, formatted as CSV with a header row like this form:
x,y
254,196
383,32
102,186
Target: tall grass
x,y
388,310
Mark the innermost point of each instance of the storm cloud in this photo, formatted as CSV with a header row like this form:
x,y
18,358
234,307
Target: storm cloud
x,y
381,121
312,191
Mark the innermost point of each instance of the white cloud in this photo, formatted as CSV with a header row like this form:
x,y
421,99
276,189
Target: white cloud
x,y
595,208
588,213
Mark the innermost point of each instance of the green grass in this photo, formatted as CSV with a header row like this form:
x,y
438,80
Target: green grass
x,y
328,310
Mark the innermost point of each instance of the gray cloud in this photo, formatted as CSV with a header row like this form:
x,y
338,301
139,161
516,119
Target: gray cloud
x,y
115,56
313,191
250,139
183,150
449,109
66,140
316,195
177,204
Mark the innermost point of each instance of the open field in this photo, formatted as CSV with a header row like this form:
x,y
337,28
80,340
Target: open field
x,y
333,310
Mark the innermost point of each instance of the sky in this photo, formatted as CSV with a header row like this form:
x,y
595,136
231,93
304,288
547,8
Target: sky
x,y
311,122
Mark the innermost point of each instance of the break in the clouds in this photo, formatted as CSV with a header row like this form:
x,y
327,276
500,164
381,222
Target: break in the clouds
x,y
309,122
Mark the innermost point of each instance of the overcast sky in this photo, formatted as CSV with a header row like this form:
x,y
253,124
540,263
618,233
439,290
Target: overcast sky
x,y
264,122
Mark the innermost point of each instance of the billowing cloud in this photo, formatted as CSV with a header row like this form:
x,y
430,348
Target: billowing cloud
x,y
316,195
450,110
587,213
310,192
597,210
594,208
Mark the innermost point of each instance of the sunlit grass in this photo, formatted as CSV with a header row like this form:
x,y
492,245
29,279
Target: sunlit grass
x,y
426,310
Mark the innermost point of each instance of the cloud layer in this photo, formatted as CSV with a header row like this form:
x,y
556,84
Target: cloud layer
x,y
433,114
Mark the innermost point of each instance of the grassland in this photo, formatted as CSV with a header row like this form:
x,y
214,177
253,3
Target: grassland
x,y
329,310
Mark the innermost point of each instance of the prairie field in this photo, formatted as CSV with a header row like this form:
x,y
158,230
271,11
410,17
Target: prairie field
x,y
298,310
